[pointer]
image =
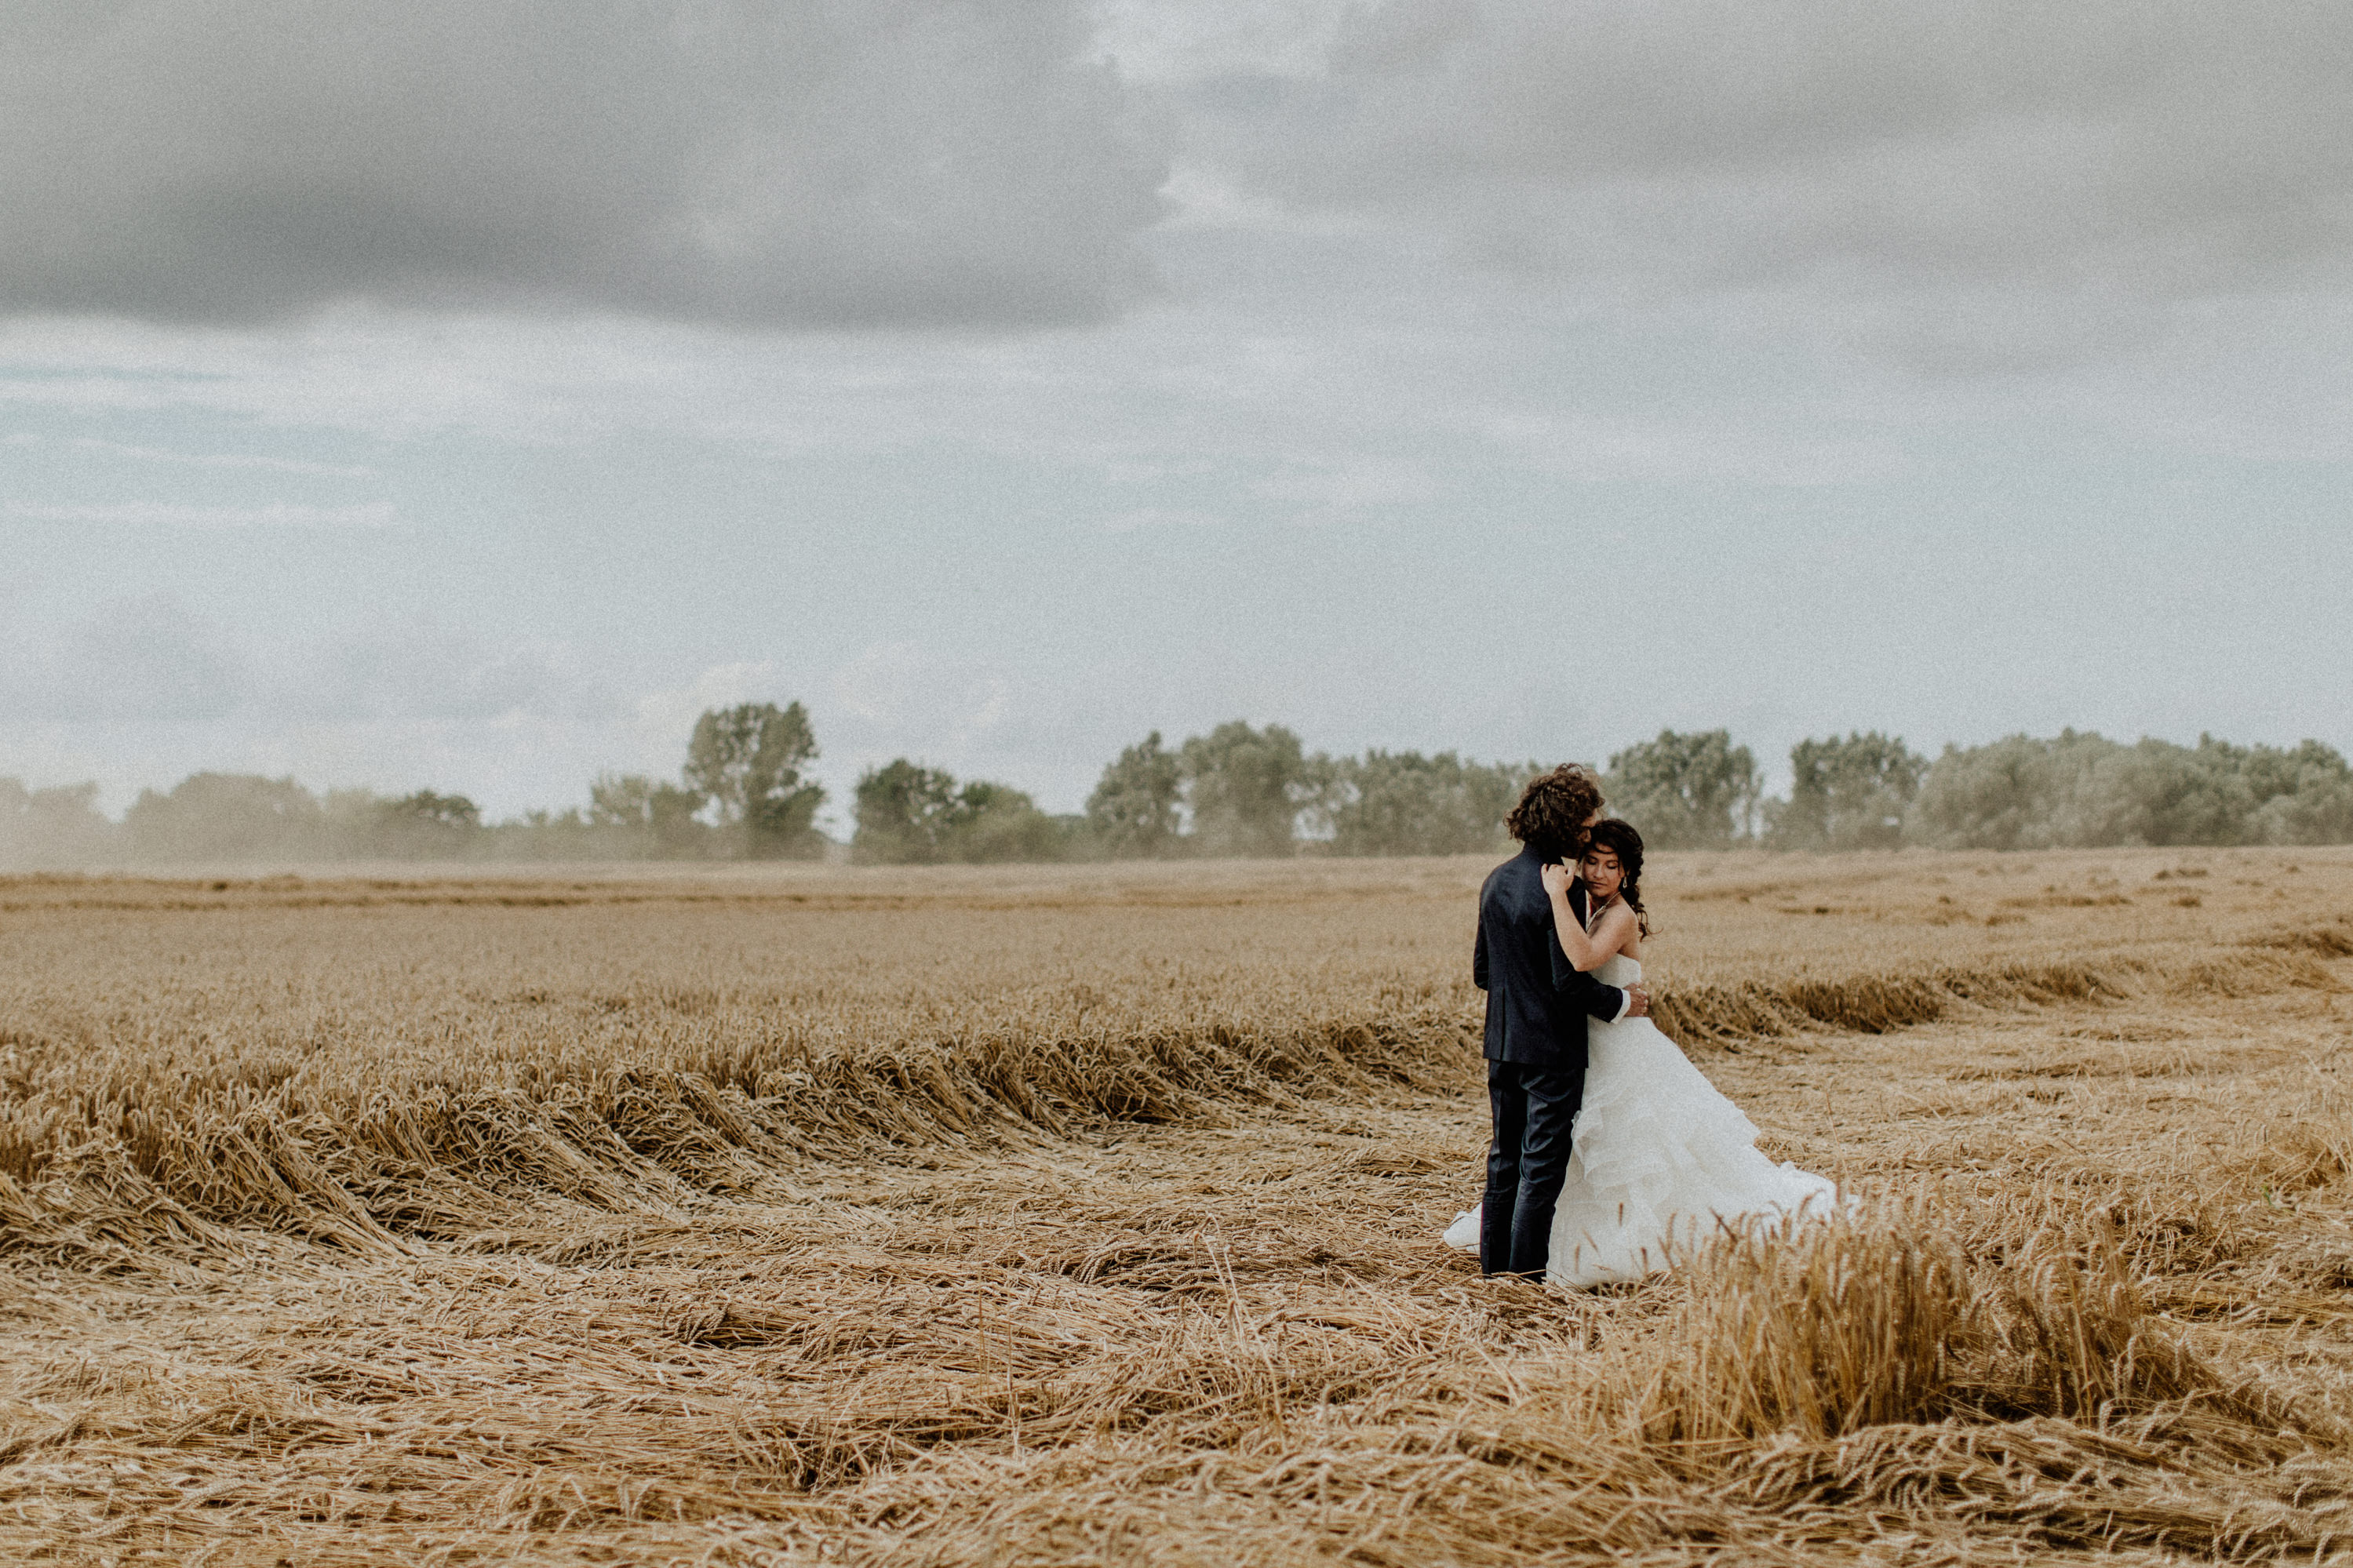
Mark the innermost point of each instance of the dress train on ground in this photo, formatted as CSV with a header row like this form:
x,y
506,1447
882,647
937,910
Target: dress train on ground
x,y
1661,1161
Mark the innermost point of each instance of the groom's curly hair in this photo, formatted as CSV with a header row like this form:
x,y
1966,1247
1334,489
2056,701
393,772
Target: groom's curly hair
x,y
1550,817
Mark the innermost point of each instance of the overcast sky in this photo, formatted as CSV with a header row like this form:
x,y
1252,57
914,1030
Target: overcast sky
x,y
467,393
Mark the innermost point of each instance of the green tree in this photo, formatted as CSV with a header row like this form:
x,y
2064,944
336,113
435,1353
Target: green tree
x,y
1134,811
657,819
903,812
2082,790
748,760
2300,797
226,816
908,814
1685,791
1246,789
995,822
2002,796
544,834
53,828
427,825
1849,794
1402,803
2024,792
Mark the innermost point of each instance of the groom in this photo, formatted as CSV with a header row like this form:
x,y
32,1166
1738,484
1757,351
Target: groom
x,y
1536,1006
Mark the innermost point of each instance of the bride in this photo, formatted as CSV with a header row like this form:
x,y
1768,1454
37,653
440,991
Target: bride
x,y
1660,1157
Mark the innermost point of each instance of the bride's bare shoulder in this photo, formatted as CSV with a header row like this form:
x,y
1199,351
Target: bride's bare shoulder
x,y
1631,944
1626,926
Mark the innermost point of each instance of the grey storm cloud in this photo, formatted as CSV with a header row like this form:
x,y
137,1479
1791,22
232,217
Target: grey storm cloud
x,y
2147,149
834,163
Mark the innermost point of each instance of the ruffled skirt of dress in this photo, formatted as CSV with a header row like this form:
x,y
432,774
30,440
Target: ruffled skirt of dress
x,y
1662,1162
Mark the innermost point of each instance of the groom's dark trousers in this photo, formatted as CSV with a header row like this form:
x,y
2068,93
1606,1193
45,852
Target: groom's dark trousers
x,y
1538,1003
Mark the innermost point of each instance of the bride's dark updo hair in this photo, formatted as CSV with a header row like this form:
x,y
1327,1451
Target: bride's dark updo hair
x,y
1619,838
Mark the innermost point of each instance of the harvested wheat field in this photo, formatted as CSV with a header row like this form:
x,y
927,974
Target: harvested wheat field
x,y
1090,1215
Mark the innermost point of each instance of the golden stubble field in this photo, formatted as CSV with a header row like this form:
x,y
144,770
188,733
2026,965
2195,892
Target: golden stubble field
x,y
1090,1214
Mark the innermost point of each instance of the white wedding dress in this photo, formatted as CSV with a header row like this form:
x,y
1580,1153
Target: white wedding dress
x,y
1660,1157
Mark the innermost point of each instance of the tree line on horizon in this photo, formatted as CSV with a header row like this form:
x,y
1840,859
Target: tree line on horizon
x,y
744,793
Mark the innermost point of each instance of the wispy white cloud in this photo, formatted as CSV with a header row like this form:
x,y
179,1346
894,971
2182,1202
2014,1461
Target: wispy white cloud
x,y
155,659
243,462
899,694
1185,40
173,514
661,720
1328,489
143,662
1157,518
1594,449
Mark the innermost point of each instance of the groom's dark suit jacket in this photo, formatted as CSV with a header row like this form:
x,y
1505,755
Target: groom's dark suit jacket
x,y
1537,1001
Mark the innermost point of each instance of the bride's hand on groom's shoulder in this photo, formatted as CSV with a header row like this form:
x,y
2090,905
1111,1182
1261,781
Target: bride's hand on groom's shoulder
x,y
1555,879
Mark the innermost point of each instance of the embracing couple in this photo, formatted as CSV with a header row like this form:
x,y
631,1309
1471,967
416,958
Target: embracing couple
x,y
1611,1153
